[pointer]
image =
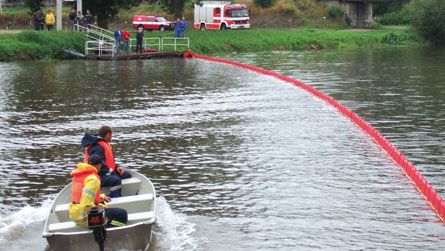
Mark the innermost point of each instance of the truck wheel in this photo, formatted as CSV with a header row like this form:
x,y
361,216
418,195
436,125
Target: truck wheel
x,y
223,26
202,27
162,28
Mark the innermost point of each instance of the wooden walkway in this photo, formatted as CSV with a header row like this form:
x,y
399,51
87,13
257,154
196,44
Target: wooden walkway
x,y
131,56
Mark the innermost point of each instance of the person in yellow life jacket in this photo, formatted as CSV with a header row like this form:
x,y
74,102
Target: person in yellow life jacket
x,y
50,20
110,173
85,193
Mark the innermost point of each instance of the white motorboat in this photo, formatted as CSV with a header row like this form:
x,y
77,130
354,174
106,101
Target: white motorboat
x,y
138,198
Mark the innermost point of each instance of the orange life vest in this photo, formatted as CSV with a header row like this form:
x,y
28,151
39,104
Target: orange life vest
x,y
109,155
78,183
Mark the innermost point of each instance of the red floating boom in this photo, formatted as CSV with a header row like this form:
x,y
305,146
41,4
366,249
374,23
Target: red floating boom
x,y
421,183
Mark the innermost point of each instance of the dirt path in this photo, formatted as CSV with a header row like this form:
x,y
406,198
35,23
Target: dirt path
x,y
9,31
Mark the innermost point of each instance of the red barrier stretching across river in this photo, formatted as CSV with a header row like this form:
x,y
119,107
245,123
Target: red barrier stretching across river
x,y
420,182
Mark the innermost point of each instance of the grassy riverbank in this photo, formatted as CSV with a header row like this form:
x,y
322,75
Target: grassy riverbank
x,y
296,39
30,45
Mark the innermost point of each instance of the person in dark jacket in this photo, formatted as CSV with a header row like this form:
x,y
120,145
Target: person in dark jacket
x,y
89,19
139,38
72,17
110,173
37,17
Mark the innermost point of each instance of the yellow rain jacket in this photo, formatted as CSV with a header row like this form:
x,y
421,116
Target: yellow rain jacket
x,y
85,192
50,18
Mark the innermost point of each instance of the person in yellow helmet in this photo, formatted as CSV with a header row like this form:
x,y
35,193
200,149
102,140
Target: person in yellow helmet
x,y
85,193
50,20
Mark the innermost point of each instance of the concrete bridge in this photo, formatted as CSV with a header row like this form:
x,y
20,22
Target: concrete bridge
x,y
358,11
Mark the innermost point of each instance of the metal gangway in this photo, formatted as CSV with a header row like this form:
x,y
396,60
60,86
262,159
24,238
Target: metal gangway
x,y
101,41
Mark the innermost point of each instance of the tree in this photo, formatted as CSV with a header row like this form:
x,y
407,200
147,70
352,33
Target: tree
x,y
264,3
34,5
106,9
173,6
382,7
427,17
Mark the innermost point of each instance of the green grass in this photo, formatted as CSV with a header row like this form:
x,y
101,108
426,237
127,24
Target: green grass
x,y
211,41
30,45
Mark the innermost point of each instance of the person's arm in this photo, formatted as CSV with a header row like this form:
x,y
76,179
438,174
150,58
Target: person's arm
x,y
90,188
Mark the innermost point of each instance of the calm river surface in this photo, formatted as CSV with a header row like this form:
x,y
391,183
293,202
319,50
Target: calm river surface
x,y
240,161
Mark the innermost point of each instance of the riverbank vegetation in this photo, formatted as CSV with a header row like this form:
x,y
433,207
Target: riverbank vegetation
x,y
297,39
428,19
30,45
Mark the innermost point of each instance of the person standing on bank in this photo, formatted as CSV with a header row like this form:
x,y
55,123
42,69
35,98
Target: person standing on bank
x,y
89,19
37,17
139,38
178,27
118,39
126,39
184,26
50,20
42,19
85,193
110,173
72,18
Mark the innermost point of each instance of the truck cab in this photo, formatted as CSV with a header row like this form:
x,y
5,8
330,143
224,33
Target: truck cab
x,y
220,15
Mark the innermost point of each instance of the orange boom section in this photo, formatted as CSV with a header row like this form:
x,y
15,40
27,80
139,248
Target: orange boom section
x,y
420,182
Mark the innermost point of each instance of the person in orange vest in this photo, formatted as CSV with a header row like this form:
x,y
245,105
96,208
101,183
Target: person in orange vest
x,y
85,193
110,173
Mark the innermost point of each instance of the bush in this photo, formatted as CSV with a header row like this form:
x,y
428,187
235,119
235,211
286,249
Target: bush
x,y
264,3
335,12
394,18
427,17
376,25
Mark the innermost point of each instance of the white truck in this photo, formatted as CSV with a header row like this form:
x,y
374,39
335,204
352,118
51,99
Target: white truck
x,y
220,15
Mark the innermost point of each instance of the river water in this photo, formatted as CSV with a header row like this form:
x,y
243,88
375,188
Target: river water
x,y
240,161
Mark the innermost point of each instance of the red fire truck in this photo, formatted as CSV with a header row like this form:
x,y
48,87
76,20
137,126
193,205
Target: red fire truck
x,y
220,15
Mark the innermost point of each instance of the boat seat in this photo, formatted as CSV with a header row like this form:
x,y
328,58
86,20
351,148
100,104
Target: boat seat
x,y
70,226
132,204
130,186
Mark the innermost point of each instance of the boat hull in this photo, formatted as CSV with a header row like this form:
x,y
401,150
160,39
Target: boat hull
x,y
129,238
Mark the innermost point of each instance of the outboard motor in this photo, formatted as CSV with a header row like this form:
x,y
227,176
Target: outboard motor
x,y
96,222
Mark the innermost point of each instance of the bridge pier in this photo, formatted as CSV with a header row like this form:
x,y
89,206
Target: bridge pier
x,y
359,12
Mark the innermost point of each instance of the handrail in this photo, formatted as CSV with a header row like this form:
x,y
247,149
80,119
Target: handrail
x,y
101,46
101,35
147,44
106,43
101,29
175,42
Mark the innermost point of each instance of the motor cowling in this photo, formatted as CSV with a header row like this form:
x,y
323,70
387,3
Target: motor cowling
x,y
96,218
96,222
